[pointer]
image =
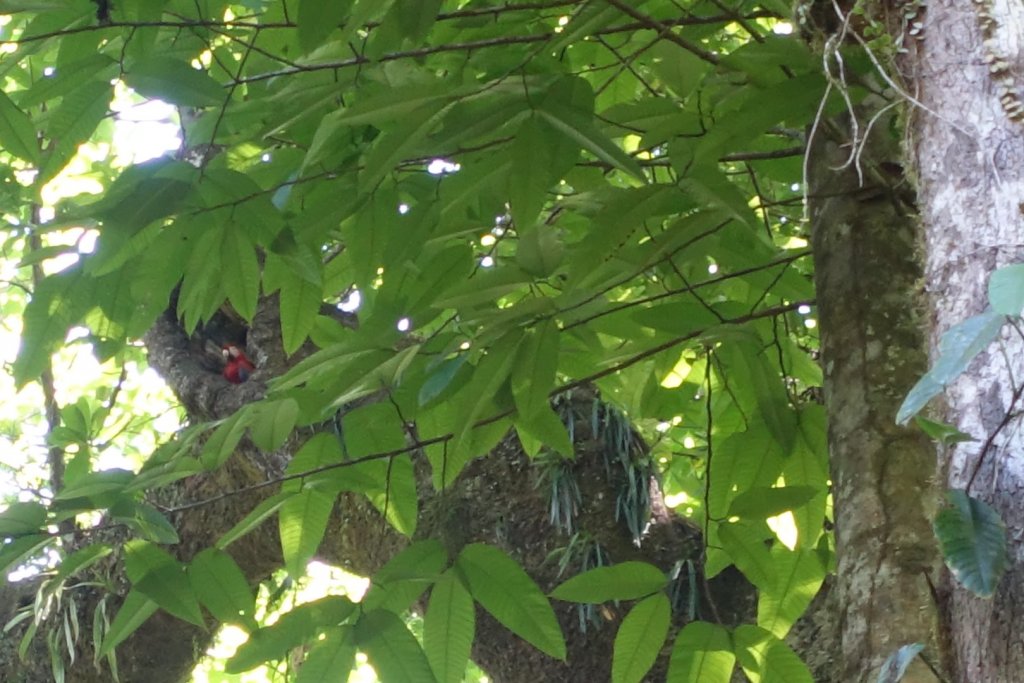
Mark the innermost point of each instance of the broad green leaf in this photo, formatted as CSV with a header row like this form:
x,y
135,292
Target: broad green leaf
x,y
540,251
79,560
97,483
22,519
331,656
300,305
578,126
317,18
448,628
798,576
17,132
254,519
972,537
1006,290
957,348
639,639
302,522
241,273
292,629
767,659
273,422
761,502
622,581
415,17
221,587
145,520
72,123
222,443
18,549
392,650
547,428
703,653
748,551
406,576
502,588
174,81
134,612
169,588
533,375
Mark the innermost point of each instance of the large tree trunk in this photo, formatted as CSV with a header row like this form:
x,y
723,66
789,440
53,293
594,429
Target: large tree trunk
x,y
867,277
967,143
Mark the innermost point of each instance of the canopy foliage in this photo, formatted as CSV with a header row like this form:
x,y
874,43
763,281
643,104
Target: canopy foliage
x,y
523,199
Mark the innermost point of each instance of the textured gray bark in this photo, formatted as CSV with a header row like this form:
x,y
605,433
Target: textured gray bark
x,y
967,145
873,339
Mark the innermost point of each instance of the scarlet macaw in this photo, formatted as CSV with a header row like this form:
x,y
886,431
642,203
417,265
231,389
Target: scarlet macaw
x,y
238,367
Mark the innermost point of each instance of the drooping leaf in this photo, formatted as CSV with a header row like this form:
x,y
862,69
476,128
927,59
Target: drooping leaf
x,y
392,650
639,639
302,522
766,658
448,628
222,588
174,81
703,653
972,537
622,581
502,588
17,132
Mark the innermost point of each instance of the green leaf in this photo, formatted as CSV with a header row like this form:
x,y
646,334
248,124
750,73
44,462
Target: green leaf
x,y
762,502
896,664
703,653
221,586
798,576
766,658
539,251
406,576
302,523
623,581
241,273
273,422
134,612
533,375
957,348
972,538
22,519
162,579
448,629
1006,290
174,81
945,434
747,549
317,18
577,125
222,443
300,305
547,428
17,132
330,657
639,639
292,629
392,650
502,588
254,519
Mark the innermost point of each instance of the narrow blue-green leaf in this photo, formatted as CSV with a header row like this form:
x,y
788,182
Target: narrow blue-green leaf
x,y
972,538
957,348
639,639
703,653
502,588
623,581
17,132
302,522
896,664
448,628
1006,289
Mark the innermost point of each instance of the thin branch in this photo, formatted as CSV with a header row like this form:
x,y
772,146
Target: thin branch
x,y
665,30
